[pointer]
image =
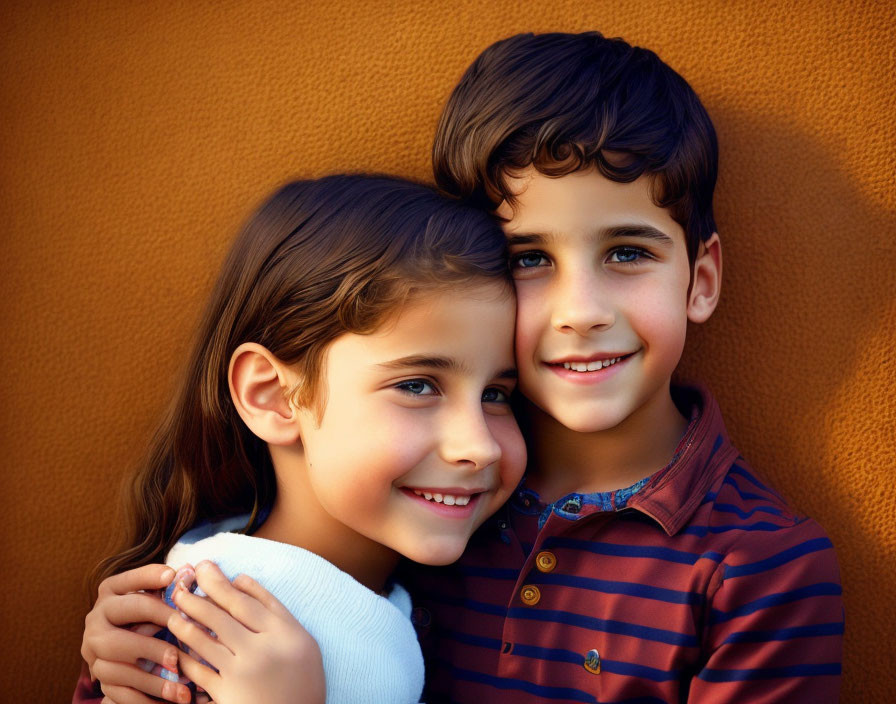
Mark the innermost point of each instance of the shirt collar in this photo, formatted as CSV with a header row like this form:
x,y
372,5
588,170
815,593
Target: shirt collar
x,y
669,496
673,494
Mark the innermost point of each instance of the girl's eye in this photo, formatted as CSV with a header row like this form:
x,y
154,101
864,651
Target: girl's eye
x,y
417,387
627,255
528,260
495,396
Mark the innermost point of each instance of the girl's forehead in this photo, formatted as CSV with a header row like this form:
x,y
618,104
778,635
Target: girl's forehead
x,y
458,322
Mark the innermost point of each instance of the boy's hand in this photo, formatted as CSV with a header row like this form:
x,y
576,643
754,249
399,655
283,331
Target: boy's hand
x,y
118,633
261,652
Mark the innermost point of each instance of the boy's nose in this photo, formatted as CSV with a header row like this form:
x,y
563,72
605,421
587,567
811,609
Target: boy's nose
x,y
580,304
468,441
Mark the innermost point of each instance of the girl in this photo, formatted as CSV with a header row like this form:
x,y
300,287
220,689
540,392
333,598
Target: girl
x,y
346,403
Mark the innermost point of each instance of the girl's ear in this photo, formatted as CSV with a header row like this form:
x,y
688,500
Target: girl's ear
x,y
258,386
706,283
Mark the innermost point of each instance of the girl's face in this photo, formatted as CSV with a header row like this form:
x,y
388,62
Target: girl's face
x,y
417,444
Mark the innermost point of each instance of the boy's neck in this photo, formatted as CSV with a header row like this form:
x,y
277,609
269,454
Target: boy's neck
x,y
298,520
564,461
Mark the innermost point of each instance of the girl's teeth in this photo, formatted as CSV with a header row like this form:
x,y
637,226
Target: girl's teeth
x,y
590,366
447,499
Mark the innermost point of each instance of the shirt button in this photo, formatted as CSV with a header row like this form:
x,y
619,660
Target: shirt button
x,y
530,595
420,617
545,561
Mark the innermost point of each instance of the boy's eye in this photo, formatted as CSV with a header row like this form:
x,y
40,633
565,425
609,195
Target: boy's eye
x,y
495,396
528,260
626,255
417,387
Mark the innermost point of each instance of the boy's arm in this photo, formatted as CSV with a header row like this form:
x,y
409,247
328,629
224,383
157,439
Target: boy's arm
x,y
774,628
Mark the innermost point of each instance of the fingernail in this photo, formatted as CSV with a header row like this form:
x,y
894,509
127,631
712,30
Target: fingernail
x,y
167,576
183,694
170,661
169,691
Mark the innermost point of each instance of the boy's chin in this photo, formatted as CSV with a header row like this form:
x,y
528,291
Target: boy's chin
x,y
583,417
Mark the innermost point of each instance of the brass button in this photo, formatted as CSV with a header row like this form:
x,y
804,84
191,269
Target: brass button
x,y
545,561
592,662
530,594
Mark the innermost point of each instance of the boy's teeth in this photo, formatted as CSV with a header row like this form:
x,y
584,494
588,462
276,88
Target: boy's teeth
x,y
590,366
447,499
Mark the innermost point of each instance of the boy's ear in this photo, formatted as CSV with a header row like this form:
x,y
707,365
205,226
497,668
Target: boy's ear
x,y
706,282
258,387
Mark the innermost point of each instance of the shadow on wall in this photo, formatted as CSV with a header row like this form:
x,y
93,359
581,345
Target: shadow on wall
x,y
799,353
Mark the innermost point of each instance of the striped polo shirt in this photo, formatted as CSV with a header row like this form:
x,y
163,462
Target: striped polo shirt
x,y
699,584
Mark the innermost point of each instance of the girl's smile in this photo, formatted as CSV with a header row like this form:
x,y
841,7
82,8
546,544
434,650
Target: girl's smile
x,y
417,443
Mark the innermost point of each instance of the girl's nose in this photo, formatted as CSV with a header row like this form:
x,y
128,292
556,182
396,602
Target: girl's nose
x,y
468,441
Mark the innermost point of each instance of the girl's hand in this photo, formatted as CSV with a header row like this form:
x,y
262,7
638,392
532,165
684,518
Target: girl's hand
x,y
261,652
118,633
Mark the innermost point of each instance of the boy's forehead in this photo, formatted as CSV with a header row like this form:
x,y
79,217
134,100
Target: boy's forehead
x,y
583,200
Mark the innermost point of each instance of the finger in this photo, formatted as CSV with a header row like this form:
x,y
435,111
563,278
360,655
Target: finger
x,y
244,608
133,608
147,578
195,637
124,695
201,674
116,674
207,614
249,586
120,645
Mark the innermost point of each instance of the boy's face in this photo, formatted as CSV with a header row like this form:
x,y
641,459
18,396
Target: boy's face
x,y
602,278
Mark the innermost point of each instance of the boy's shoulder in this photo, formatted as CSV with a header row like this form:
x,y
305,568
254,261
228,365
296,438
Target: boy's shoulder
x,y
716,508
758,536
709,487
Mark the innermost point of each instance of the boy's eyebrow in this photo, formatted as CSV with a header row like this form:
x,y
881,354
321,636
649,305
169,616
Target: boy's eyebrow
x,y
645,231
447,363
527,238
613,232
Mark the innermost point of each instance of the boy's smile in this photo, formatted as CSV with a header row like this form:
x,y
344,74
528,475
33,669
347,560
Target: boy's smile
x,y
602,278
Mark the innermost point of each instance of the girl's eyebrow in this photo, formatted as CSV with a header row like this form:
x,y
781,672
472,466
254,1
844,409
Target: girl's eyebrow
x,y
416,361
422,360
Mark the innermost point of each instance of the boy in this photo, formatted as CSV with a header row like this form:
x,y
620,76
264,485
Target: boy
x,y
641,560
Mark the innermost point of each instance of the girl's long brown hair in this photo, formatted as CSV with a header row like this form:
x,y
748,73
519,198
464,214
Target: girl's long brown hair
x,y
320,258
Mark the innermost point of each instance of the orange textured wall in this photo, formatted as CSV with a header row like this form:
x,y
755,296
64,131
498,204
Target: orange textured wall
x,y
135,137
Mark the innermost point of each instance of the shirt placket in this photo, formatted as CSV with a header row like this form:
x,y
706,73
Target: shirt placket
x,y
521,632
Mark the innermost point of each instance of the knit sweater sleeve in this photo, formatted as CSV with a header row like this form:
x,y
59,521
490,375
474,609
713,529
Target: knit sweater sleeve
x,y
774,626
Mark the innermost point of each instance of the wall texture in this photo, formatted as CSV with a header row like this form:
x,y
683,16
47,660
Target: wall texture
x,y
134,139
